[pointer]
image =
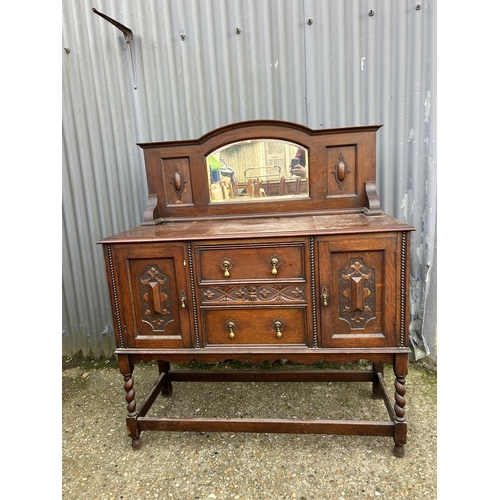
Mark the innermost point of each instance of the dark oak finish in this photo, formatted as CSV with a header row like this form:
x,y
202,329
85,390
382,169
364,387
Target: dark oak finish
x,y
323,276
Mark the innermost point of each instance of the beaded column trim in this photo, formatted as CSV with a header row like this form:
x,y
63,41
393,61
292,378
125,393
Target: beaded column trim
x,y
402,312
115,295
193,295
313,288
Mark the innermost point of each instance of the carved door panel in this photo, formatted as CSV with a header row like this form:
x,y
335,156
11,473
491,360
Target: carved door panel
x,y
154,295
358,290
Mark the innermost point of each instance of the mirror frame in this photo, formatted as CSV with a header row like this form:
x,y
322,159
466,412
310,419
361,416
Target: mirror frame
x,y
341,172
258,170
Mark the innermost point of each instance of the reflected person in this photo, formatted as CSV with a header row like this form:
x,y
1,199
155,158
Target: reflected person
x,y
298,163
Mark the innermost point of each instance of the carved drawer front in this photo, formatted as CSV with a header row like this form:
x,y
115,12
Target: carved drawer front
x,y
358,290
255,326
154,295
224,294
230,262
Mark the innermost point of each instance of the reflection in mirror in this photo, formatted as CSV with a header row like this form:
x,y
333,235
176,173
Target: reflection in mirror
x,y
258,170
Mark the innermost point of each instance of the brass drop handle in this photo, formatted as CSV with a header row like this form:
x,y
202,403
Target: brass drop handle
x,y
226,264
231,326
278,325
274,263
183,299
324,295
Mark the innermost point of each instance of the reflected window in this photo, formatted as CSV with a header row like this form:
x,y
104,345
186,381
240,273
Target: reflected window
x,y
258,170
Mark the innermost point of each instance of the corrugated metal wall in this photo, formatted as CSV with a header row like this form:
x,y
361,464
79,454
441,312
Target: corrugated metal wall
x,y
194,65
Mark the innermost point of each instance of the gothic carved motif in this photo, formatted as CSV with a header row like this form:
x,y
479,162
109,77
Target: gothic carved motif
x,y
156,303
265,293
357,294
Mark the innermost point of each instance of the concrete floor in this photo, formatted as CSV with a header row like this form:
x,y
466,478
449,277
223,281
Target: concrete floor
x,y
99,463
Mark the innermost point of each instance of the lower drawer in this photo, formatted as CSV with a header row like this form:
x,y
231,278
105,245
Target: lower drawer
x,y
255,326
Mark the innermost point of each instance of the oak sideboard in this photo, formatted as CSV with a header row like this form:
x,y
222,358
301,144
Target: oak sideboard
x,y
262,241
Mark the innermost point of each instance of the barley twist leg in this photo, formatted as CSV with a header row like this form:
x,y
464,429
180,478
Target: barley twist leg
x,y
126,369
400,370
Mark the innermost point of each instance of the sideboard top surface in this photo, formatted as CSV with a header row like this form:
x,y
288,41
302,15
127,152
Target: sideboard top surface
x,y
261,227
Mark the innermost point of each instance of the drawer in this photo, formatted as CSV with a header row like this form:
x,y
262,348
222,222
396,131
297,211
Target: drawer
x,y
251,261
255,326
256,293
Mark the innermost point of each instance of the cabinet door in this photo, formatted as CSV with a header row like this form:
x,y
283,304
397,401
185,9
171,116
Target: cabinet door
x,y
154,295
358,290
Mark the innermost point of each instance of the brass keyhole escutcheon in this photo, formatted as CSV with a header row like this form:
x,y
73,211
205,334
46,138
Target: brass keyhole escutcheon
x,y
231,326
226,264
183,299
278,325
275,263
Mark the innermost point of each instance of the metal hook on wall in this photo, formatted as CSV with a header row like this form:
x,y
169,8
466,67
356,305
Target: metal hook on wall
x,y
129,38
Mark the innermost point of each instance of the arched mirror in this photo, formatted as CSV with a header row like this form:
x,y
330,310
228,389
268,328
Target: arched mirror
x,y
258,170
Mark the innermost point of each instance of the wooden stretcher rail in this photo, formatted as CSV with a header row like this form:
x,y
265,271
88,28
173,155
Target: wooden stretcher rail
x,y
295,426
338,427
259,376
386,397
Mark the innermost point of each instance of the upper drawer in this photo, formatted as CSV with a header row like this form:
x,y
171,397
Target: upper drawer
x,y
238,261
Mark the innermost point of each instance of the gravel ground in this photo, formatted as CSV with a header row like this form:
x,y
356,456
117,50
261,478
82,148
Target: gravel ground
x,y
99,463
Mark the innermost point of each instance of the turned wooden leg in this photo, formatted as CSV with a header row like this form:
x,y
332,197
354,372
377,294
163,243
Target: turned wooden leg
x,y
400,431
164,367
377,390
126,369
